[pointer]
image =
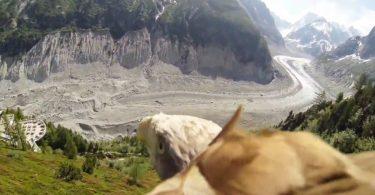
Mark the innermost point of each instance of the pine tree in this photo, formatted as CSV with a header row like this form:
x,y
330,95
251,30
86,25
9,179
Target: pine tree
x,y
91,148
91,161
361,82
18,116
340,97
320,98
70,149
21,138
7,127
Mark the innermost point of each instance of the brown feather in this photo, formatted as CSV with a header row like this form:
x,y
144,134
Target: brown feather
x,y
274,163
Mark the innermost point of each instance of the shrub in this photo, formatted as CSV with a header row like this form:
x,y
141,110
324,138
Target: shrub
x,y
90,163
136,173
47,150
70,149
365,144
15,155
369,127
344,141
111,165
68,172
58,151
340,97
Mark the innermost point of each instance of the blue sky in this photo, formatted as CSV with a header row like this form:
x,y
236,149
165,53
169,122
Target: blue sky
x,y
357,13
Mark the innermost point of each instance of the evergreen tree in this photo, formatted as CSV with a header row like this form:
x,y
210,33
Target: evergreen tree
x,y
91,148
340,97
21,137
18,115
369,127
91,161
347,124
70,149
7,127
321,98
361,82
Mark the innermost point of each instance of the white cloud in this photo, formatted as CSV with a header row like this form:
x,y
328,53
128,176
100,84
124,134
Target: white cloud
x,y
357,13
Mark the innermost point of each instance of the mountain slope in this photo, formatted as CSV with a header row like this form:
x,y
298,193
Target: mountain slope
x,y
347,123
213,38
281,24
264,21
360,47
34,173
349,60
368,49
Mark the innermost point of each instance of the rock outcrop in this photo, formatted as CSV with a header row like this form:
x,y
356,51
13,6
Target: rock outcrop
x,y
368,50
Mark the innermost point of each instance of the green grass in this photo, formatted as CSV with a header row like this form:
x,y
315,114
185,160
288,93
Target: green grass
x,y
34,173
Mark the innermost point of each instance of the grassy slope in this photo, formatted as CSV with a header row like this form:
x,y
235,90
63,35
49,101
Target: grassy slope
x,y
34,173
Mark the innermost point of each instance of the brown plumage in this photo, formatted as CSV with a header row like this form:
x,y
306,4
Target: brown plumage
x,y
269,162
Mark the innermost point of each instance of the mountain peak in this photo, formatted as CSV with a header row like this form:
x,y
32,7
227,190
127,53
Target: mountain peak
x,y
305,20
312,16
317,36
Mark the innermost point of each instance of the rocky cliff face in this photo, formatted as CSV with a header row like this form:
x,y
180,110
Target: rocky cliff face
x,y
350,47
57,52
368,50
213,38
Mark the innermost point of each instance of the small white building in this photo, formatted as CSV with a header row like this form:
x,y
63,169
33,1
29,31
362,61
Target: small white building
x,y
34,130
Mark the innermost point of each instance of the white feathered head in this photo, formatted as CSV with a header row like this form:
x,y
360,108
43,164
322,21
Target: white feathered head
x,y
174,140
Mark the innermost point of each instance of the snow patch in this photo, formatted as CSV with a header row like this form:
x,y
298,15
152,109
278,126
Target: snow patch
x,y
353,57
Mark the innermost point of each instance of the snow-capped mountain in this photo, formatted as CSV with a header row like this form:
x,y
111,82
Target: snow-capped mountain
x,y
358,48
305,20
354,32
349,60
315,35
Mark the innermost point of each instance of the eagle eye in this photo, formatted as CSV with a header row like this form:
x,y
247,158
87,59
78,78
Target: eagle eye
x,y
161,147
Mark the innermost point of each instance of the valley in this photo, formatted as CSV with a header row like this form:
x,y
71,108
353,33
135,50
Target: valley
x,y
100,77
78,78
103,108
